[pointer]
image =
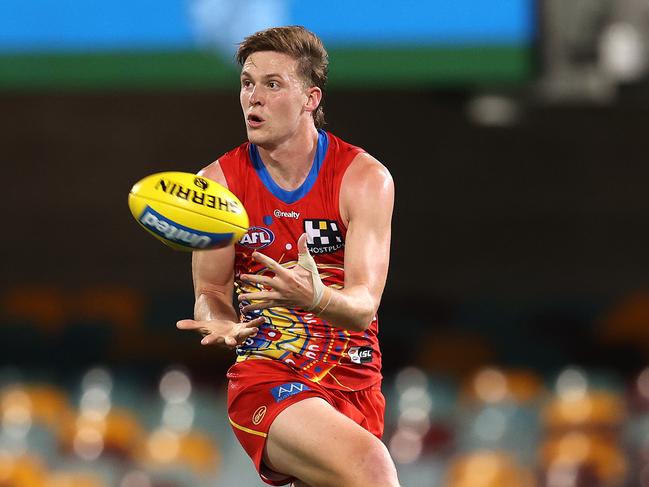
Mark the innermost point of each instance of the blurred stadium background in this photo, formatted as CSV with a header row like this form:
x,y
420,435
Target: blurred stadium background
x,y
515,324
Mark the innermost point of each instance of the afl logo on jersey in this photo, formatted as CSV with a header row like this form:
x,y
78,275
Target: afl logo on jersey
x,y
257,238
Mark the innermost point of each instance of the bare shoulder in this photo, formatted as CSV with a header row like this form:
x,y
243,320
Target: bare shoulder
x,y
364,166
366,174
214,172
366,181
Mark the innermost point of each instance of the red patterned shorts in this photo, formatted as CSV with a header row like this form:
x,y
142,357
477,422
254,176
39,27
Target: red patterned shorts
x,y
258,390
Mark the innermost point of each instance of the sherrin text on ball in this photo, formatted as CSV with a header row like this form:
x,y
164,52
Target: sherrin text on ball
x,y
187,212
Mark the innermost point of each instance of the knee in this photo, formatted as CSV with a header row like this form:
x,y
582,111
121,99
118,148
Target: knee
x,y
374,467
368,464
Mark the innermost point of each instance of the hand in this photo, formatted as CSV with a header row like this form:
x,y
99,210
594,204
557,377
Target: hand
x,y
289,288
226,333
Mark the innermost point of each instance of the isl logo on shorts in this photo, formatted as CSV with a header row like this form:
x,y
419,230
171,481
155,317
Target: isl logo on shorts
x,y
287,390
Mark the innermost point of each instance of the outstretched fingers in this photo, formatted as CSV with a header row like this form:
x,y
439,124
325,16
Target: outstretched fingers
x,y
252,326
302,247
259,305
188,325
243,331
263,280
259,296
237,334
269,263
223,332
230,341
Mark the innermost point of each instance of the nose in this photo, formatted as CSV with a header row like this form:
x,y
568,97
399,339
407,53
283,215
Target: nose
x,y
255,97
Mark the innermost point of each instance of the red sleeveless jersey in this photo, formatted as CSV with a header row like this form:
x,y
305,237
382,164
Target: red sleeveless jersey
x,y
334,357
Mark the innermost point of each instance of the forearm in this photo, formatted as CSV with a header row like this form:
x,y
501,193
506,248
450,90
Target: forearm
x,y
352,309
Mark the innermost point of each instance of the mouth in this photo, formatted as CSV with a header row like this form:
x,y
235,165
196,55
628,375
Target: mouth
x,y
254,121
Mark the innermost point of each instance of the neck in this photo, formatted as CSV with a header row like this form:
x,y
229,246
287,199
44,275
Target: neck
x,y
290,161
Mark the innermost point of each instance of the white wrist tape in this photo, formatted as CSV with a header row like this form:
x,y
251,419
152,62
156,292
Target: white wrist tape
x,y
306,262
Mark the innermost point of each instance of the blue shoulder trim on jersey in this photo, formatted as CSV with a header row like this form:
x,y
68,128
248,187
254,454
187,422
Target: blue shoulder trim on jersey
x,y
291,196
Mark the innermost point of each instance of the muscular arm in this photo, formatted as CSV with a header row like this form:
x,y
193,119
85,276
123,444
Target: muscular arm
x,y
213,276
366,202
213,272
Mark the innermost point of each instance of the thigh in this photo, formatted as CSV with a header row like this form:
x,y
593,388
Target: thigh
x,y
313,442
257,392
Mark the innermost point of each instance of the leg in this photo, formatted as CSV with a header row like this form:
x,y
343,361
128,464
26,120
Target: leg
x,y
313,442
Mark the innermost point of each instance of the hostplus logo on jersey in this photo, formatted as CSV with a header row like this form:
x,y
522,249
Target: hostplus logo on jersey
x,y
287,390
257,238
323,236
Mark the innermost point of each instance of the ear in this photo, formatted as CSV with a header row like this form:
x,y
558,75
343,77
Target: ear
x,y
314,97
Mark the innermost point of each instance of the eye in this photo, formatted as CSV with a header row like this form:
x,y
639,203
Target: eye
x,y
273,84
246,83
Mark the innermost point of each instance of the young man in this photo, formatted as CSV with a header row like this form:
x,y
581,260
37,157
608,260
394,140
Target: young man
x,y
304,397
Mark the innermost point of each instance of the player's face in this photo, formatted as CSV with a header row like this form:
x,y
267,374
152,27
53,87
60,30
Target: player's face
x,y
273,97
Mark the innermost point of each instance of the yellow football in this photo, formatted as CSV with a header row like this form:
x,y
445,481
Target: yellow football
x,y
187,212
